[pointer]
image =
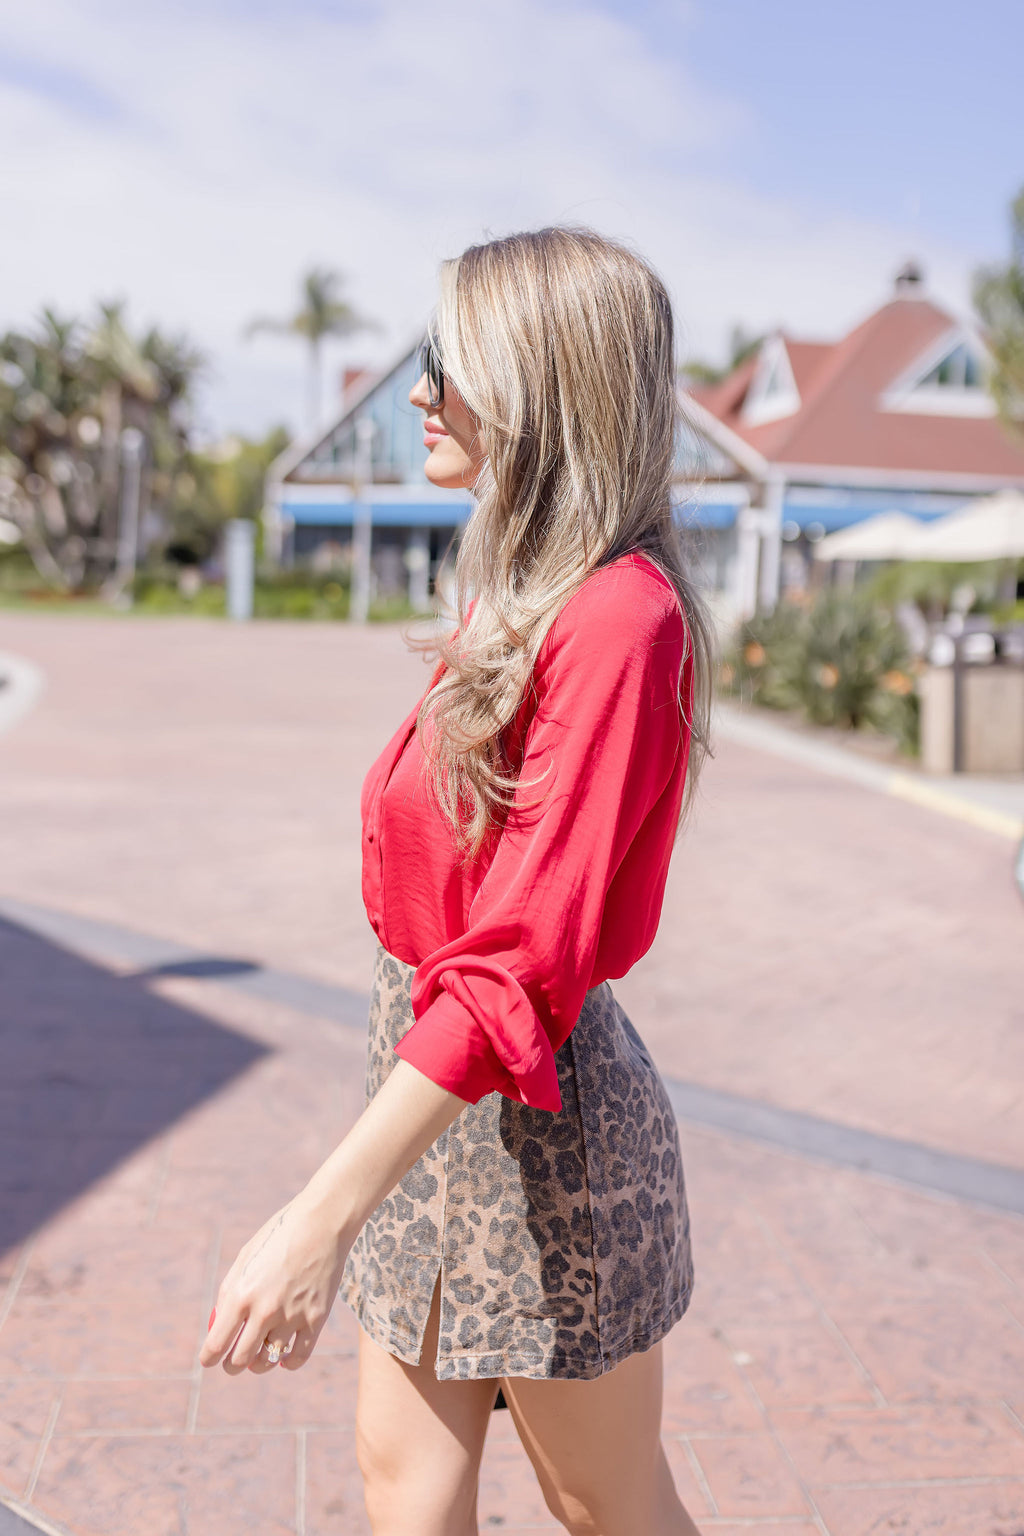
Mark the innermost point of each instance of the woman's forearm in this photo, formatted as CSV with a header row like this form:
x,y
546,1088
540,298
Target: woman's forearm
x,y
402,1120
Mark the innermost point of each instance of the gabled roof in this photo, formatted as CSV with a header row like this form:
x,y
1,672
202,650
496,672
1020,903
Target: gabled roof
x,y
858,407
332,438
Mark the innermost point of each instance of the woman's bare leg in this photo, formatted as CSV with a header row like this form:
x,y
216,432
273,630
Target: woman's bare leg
x,y
596,1449
419,1441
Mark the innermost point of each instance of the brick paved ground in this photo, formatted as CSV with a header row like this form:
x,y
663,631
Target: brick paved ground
x,y
854,1359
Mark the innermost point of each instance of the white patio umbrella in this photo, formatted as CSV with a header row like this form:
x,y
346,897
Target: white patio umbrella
x,y
888,536
989,529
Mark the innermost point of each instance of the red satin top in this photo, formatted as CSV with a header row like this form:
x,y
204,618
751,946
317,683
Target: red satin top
x,y
569,893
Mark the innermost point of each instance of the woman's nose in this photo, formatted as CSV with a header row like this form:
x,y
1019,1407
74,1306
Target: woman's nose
x,y
418,394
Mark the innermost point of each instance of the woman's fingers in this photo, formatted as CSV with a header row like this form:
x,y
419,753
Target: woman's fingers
x,y
247,1345
225,1324
266,1358
302,1348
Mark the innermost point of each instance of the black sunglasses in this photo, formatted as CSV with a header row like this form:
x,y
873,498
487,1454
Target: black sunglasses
x,y
430,364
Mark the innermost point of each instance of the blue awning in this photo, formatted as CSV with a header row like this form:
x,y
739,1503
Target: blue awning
x,y
316,506
394,512
706,514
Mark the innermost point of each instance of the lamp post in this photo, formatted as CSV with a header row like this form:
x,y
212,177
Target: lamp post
x,y
239,540
132,443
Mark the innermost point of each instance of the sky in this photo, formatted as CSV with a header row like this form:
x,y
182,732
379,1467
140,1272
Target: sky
x,y
776,162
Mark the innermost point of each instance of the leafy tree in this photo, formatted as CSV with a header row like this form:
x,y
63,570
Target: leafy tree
x,y
321,313
999,300
68,392
214,485
742,344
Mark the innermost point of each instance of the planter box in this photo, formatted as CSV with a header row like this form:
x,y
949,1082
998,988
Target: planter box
x,y
992,727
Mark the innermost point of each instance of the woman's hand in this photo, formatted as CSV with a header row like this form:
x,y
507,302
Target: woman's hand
x,y
283,1283
286,1278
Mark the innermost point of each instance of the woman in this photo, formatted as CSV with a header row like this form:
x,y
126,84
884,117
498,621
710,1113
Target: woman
x,y
509,1210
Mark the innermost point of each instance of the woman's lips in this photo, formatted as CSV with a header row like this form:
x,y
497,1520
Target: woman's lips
x,y
432,435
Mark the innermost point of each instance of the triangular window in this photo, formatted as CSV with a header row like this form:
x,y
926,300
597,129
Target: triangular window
x,y
772,393
959,369
950,380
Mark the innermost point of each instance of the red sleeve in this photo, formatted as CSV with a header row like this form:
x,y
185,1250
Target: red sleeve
x,y
493,1006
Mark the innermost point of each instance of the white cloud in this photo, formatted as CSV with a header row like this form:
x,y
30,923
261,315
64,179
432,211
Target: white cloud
x,y
205,161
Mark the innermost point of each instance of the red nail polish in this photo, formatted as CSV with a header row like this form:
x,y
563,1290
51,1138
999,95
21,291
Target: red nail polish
x,y
213,1314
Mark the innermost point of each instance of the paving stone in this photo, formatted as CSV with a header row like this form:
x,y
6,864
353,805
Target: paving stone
x,y
748,1475
25,1409
689,1484
320,1395
741,1274
171,1485
892,1444
1003,1246
97,1406
107,1301
801,1362
509,1489
334,1489
127,1195
922,1509
705,1390
763,1528
935,1346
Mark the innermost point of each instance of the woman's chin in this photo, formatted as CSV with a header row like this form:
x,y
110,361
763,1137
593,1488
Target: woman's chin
x,y
447,476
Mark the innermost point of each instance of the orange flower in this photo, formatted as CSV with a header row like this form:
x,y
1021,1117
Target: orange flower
x,y
828,675
897,682
753,654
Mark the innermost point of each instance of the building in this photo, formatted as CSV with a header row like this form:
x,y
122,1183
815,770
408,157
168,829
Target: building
x,y
803,438
365,468
896,416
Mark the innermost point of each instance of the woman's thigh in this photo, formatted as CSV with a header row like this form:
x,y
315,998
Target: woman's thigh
x,y
596,1449
419,1441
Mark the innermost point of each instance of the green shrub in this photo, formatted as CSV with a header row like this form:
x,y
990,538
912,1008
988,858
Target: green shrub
x,y
151,596
855,655
390,610
764,666
844,661
17,573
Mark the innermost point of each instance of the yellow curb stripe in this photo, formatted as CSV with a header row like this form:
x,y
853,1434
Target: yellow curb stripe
x,y
985,816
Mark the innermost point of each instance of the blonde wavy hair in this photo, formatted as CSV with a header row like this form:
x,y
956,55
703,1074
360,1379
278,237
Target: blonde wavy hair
x,y
560,342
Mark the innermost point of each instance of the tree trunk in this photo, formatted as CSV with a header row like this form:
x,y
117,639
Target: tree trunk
x,y
313,388
110,465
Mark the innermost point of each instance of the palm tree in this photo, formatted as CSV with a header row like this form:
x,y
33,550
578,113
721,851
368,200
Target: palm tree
x,y
67,395
321,313
999,300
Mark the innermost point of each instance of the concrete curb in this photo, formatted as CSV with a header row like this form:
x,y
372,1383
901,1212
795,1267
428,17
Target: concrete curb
x,y
21,684
961,803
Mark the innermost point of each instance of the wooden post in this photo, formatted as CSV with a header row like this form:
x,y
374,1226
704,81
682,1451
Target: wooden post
x,y
362,522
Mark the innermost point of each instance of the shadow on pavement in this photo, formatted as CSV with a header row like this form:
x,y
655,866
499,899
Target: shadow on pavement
x,y
212,969
94,1066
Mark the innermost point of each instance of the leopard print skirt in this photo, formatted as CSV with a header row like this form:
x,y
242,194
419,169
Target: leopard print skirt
x,y
562,1239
